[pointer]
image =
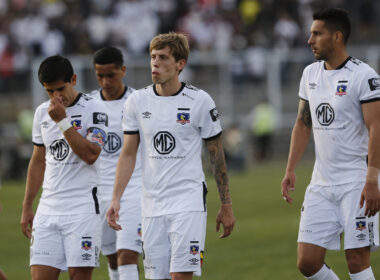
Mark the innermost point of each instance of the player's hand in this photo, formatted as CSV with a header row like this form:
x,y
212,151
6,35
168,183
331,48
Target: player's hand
x,y
287,185
113,215
56,109
226,217
26,222
371,196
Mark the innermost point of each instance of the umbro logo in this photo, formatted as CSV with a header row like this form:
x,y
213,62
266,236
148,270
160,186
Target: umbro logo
x,y
312,85
146,115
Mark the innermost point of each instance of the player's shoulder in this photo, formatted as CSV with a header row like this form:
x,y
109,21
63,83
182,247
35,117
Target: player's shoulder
x,y
142,93
94,94
359,66
194,93
314,67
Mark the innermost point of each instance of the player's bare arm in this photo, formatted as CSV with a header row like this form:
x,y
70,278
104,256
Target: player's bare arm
x,y
83,148
34,181
371,193
219,169
124,170
298,143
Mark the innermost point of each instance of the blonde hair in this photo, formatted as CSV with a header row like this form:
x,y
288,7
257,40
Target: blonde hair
x,y
177,42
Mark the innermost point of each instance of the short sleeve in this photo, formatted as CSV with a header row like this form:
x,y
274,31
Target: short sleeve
x,y
302,88
209,122
369,88
36,130
129,121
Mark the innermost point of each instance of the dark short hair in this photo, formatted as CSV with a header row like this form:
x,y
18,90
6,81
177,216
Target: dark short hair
x,y
335,20
108,55
55,68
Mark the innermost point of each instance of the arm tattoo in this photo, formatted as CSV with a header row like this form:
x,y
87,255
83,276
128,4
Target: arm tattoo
x,y
305,114
219,168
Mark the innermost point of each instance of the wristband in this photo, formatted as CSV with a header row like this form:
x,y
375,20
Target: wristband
x,y
372,175
64,125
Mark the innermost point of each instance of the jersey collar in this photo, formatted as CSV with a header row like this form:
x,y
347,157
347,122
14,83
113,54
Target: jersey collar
x,y
340,66
120,97
76,100
176,93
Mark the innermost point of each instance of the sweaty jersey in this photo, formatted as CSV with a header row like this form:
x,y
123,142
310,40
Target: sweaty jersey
x,y
340,135
171,129
70,184
112,148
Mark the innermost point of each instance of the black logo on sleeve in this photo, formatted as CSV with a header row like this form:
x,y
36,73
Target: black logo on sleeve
x,y
113,143
325,114
164,142
100,118
214,114
59,149
374,83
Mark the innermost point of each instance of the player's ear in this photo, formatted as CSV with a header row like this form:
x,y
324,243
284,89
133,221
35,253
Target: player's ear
x,y
181,64
74,79
124,69
338,37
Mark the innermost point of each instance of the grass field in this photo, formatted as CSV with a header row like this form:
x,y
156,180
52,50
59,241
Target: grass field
x,y
262,246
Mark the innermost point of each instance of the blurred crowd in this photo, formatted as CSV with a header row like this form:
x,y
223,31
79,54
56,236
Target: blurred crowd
x,y
30,28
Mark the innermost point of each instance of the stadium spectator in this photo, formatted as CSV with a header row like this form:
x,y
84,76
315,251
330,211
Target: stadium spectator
x,y
69,131
123,247
339,102
171,119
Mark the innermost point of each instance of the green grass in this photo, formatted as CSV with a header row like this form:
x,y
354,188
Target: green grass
x,y
262,245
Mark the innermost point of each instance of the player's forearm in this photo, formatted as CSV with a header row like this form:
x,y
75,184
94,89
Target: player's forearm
x,y
83,148
219,169
34,180
298,143
125,167
374,146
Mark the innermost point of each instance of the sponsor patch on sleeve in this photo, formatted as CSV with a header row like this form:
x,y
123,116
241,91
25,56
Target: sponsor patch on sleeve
x,y
214,114
100,118
96,135
374,84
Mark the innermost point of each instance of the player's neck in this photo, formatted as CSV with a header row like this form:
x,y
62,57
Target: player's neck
x,y
116,96
336,60
168,88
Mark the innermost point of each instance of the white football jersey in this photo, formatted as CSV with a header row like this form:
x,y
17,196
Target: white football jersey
x,y
340,135
112,148
171,130
70,185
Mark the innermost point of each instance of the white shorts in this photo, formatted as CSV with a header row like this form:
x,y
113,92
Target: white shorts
x,y
329,211
130,220
63,241
173,243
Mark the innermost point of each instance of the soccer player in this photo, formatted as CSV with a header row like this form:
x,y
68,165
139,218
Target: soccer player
x,y
69,131
122,247
170,119
339,102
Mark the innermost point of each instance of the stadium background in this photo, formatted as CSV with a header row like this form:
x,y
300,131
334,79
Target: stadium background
x,y
242,52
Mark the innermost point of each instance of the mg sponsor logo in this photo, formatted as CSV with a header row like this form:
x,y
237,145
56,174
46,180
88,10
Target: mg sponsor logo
x,y
325,114
164,142
59,149
113,143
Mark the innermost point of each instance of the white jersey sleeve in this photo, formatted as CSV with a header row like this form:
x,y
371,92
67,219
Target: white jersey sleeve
x,y
129,121
36,131
209,121
369,86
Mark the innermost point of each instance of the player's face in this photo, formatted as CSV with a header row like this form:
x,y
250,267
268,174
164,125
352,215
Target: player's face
x,y
164,67
110,79
63,90
321,41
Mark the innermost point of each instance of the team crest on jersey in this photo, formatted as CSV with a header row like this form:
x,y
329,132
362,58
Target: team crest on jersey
x,y
361,225
139,231
341,90
96,135
86,245
77,124
194,249
59,149
183,118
